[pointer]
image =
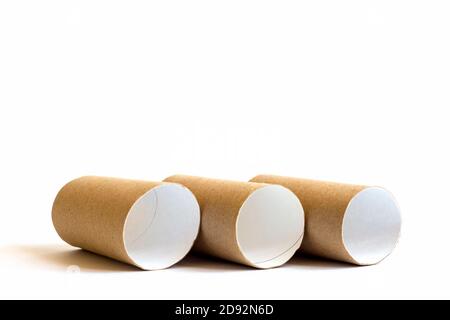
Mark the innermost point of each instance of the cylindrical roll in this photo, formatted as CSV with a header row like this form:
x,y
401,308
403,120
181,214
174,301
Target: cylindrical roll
x,y
256,224
351,223
151,225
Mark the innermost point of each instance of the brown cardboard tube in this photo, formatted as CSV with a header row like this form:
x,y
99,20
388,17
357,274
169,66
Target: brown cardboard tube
x,y
256,224
351,223
151,225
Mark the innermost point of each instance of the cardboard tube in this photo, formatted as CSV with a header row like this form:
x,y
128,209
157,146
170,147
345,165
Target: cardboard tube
x,y
151,225
256,224
351,223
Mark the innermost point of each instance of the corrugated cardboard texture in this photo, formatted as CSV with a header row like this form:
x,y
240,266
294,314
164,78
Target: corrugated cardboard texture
x,y
220,201
324,204
90,213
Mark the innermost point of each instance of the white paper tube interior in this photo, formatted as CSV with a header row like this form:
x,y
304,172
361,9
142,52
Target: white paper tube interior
x,y
161,226
270,226
371,226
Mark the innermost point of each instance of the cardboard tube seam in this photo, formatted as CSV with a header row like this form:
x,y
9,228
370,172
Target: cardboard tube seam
x,y
149,225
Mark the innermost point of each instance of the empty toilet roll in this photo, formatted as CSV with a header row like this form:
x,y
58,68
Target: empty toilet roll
x,y
351,223
151,225
256,224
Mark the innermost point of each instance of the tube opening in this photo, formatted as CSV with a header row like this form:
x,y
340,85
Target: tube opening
x,y
371,226
270,226
161,227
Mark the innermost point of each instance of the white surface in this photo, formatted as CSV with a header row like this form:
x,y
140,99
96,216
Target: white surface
x,y
372,224
161,226
270,226
349,91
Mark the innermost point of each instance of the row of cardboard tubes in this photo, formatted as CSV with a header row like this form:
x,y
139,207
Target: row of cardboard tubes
x,y
260,223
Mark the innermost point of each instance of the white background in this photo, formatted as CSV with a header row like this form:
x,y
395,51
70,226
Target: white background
x,y
350,91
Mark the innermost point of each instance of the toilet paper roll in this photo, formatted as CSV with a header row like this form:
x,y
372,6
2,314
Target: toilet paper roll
x,y
151,225
351,223
256,224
